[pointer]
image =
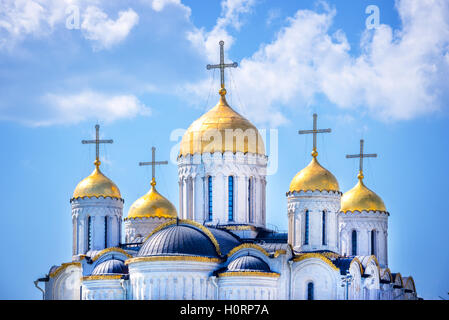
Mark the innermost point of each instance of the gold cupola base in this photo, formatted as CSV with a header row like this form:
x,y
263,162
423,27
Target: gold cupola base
x,y
96,185
152,204
314,177
361,198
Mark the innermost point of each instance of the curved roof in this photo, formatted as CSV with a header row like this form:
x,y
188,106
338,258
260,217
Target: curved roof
x,y
96,185
248,263
314,177
361,198
113,266
226,240
214,132
179,239
152,204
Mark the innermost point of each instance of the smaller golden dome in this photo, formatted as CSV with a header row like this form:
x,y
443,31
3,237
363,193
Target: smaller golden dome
x,y
314,177
96,185
360,198
152,204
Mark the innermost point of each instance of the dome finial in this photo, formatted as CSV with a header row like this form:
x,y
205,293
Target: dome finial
x,y
222,67
97,142
314,131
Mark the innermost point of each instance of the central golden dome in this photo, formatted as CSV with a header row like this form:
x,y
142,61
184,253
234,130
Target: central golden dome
x,y
314,177
360,198
96,185
221,129
152,204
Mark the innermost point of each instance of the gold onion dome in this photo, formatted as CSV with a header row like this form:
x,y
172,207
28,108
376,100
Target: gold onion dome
x,y
221,121
360,198
152,204
96,185
314,177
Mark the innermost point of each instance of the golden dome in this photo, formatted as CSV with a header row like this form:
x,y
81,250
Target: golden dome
x,y
360,198
96,185
314,177
220,123
152,204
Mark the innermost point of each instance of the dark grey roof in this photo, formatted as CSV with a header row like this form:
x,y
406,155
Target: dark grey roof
x,y
248,263
226,239
343,264
272,247
178,239
113,266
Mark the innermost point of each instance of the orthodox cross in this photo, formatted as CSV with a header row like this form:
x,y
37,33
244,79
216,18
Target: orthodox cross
x,y
153,165
315,131
361,155
97,142
222,65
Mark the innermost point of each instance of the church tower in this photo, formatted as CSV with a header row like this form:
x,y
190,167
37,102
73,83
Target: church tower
x,y
364,219
222,167
313,205
97,208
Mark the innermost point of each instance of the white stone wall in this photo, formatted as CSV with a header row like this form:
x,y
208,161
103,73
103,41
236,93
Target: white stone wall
x,y
65,285
364,222
172,280
98,209
315,203
193,173
104,289
141,227
247,288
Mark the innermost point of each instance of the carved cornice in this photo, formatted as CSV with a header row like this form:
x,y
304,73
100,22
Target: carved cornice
x,y
102,277
172,258
249,274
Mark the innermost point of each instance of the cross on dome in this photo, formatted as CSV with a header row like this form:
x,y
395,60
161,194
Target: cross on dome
x,y
361,155
153,163
97,142
314,131
222,67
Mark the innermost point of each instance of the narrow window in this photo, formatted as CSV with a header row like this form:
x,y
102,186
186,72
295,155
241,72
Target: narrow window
x,y
231,198
209,180
250,209
324,227
89,233
373,242
105,232
354,242
310,291
306,233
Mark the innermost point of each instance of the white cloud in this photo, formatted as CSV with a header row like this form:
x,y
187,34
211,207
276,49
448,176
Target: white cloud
x,y
74,108
206,42
104,32
400,74
20,19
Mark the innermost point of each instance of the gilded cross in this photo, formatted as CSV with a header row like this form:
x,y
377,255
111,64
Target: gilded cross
x,y
361,155
97,142
222,65
314,131
153,163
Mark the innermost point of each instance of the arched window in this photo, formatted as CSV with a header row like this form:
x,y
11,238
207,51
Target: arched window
x,y
310,291
89,233
209,187
250,202
306,228
231,198
105,232
354,242
373,242
324,228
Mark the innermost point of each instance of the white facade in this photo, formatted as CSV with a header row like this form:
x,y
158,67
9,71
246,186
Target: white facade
x,y
313,220
249,181
141,227
96,223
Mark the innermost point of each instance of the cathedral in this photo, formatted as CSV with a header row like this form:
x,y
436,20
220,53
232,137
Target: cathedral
x,y
217,246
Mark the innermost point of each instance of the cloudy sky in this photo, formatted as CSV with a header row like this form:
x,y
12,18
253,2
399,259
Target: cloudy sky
x,y
138,69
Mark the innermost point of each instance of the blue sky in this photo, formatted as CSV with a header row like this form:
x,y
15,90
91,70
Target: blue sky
x,y
138,69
